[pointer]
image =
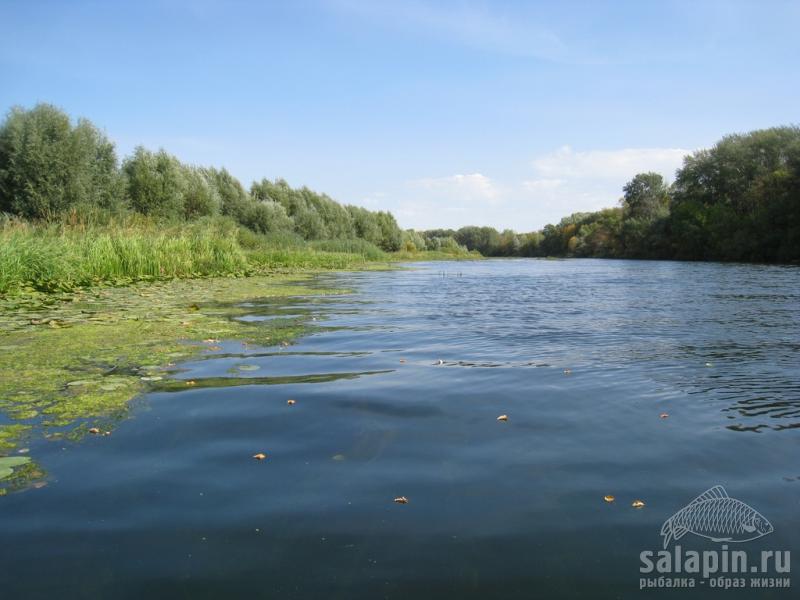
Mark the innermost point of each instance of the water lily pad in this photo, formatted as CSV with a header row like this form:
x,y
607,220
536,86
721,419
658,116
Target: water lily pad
x,y
8,462
110,387
13,461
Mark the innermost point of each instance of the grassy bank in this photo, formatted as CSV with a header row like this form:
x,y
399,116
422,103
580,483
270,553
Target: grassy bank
x,y
64,256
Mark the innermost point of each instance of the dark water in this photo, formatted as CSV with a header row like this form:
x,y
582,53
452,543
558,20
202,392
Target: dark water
x,y
173,506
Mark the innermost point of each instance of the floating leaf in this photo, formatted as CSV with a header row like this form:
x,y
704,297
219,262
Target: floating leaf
x,y
502,418
663,416
7,464
13,461
260,456
291,402
110,387
609,498
637,504
401,500
77,383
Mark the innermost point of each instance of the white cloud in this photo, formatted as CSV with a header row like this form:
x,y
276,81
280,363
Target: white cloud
x,y
541,185
568,181
559,183
608,164
471,187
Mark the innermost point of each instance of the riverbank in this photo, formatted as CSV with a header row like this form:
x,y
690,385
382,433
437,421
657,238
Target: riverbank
x,y
50,257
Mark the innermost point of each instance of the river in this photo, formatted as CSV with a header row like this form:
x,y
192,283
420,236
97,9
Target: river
x,y
651,381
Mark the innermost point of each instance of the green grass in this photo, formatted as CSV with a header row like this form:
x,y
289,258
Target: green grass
x,y
57,257
434,255
357,246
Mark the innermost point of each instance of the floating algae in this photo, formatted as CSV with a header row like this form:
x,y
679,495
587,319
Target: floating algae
x,y
111,344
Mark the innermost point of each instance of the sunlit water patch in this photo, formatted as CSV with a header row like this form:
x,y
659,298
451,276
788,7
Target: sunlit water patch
x,y
637,380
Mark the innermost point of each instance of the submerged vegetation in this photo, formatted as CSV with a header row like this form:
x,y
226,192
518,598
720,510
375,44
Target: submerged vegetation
x,y
71,362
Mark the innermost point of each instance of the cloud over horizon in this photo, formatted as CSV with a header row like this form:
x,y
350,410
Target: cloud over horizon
x,y
561,182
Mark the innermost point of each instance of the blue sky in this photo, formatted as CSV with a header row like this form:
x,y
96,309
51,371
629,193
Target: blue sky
x,y
511,114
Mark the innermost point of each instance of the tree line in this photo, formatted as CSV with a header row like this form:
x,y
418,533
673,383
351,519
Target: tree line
x,y
737,201
50,166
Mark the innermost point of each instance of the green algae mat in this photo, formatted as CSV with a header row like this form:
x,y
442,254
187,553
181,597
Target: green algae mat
x,y
71,363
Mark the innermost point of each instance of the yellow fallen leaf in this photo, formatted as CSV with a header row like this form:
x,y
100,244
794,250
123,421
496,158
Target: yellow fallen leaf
x,y
609,498
290,402
637,504
260,456
502,418
401,500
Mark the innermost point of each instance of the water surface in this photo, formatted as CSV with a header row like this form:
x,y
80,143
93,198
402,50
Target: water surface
x,y
397,391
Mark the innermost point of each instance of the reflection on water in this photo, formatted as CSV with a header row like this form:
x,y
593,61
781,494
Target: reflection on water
x,y
397,393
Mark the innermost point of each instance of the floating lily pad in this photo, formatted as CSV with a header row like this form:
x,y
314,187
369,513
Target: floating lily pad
x,y
8,462
13,461
110,387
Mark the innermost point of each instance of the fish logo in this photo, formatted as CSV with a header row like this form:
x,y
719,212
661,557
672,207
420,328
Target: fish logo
x,y
718,517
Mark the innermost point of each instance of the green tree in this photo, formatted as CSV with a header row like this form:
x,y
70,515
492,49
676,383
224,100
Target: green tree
x,y
201,198
48,166
156,183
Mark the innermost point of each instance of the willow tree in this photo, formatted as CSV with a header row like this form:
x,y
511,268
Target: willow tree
x,y
48,165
